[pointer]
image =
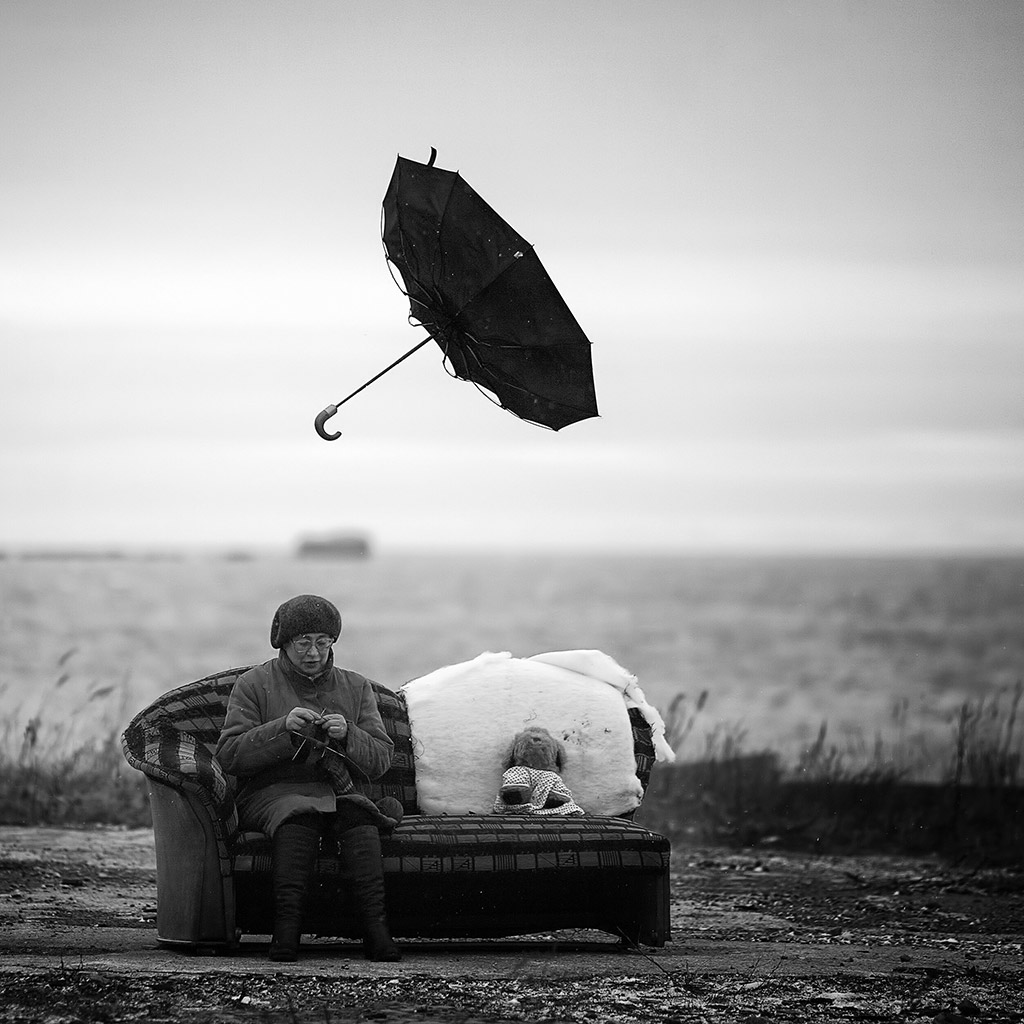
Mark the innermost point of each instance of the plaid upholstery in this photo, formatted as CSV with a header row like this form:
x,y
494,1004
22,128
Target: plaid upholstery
x,y
643,746
400,779
173,741
467,843
455,843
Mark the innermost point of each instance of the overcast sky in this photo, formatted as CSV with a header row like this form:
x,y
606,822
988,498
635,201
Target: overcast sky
x,y
793,232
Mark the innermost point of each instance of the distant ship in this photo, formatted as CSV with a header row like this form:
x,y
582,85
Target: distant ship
x,y
335,545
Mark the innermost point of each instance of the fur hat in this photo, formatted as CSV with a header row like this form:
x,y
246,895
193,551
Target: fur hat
x,y
306,613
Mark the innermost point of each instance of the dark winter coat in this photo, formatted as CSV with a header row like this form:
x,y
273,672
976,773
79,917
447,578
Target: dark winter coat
x,y
277,779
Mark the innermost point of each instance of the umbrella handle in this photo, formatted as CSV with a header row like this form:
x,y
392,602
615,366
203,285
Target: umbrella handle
x,y
321,418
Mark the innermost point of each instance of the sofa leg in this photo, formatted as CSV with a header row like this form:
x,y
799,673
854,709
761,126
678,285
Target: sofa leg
x,y
295,846
359,850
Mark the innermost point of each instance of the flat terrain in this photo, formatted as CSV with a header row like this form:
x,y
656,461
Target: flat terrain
x,y
757,936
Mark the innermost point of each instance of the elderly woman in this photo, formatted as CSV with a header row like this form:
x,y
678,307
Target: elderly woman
x,y
296,729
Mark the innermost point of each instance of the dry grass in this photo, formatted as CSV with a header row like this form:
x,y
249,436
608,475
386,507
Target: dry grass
x,y
49,775
964,797
91,784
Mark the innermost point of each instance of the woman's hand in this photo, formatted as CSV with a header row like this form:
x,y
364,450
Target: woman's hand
x,y
299,718
336,726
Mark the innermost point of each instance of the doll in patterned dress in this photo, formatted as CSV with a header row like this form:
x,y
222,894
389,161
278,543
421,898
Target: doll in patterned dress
x,y
532,781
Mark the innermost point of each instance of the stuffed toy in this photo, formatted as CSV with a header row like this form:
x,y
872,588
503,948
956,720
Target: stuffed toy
x,y
531,782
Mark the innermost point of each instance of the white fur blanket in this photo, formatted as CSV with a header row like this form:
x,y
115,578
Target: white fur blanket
x,y
463,718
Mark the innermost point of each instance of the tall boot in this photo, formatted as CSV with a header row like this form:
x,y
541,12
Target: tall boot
x,y
359,849
295,845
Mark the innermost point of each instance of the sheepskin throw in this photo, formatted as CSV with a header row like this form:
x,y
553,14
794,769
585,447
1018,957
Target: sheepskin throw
x,y
464,716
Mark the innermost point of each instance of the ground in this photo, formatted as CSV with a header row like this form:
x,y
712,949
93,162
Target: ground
x,y
758,935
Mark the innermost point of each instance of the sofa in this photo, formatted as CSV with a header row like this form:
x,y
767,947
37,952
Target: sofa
x,y
447,875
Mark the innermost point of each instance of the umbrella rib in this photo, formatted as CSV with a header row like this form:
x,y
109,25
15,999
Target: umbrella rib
x,y
426,324
434,264
489,372
487,284
468,351
436,296
502,271
507,346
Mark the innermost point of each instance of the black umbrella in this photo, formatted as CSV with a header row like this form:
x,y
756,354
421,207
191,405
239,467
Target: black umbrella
x,y
480,291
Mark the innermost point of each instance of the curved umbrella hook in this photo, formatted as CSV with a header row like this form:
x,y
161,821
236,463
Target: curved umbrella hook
x,y
321,418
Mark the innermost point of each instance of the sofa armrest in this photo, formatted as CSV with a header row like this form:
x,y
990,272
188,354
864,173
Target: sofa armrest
x,y
177,758
195,886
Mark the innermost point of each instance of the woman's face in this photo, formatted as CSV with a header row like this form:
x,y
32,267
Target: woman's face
x,y
309,652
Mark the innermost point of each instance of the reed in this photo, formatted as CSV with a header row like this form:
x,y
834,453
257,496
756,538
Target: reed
x,y
90,784
965,797
49,775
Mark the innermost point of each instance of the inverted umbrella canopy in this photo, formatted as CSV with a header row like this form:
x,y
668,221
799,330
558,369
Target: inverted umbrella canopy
x,y
478,288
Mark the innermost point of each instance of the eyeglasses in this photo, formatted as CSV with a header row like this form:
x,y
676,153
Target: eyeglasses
x,y
303,644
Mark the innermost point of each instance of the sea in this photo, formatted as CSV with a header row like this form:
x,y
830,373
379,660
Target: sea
x,y
876,657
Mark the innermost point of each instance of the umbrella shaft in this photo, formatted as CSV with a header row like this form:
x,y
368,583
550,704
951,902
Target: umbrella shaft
x,y
362,387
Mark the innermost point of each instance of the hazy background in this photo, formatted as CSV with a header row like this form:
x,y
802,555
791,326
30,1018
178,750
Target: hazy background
x,y
794,233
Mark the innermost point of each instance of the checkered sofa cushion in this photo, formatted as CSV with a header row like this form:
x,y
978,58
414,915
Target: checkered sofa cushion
x,y
450,844
400,779
468,842
643,749
173,741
